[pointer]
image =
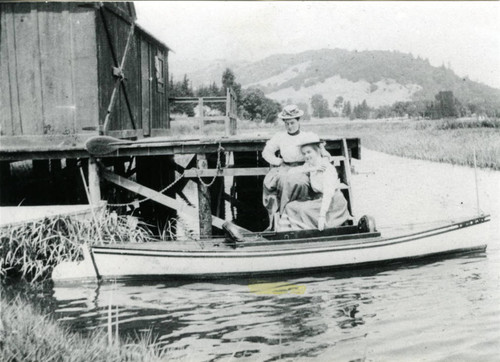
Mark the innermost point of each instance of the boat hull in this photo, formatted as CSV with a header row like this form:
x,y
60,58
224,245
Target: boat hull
x,y
459,237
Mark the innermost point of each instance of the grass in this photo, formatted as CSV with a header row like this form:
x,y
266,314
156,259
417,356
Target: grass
x,y
452,141
449,141
28,335
31,250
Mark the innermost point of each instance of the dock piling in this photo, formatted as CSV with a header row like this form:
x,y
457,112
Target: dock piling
x,y
204,201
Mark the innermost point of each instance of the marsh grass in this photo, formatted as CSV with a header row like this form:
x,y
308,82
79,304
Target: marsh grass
x,y
28,335
451,141
31,250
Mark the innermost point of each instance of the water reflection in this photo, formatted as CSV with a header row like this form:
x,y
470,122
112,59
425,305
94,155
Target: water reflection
x,y
218,320
435,309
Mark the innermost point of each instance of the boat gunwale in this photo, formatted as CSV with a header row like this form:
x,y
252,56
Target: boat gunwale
x,y
308,249
298,271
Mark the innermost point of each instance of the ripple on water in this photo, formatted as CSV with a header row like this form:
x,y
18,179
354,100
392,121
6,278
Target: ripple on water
x,y
437,310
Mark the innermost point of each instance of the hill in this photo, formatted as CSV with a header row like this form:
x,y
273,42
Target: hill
x,y
379,77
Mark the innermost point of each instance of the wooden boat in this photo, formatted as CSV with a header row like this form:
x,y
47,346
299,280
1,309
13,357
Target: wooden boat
x,y
244,253
277,252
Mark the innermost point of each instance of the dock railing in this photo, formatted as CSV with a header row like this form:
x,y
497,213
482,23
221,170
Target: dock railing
x,y
229,116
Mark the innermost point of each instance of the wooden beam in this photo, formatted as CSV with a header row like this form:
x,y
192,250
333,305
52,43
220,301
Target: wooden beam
x,y
156,196
211,172
195,100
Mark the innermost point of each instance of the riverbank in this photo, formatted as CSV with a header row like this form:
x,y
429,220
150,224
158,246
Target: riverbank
x,y
449,141
28,335
31,250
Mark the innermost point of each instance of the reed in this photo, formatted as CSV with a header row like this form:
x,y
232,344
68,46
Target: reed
x,y
28,335
451,141
31,250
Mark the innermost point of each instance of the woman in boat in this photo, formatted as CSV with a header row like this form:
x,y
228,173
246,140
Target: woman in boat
x,y
327,207
280,186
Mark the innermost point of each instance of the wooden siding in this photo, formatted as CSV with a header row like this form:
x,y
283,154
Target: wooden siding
x,y
154,91
112,35
57,78
48,83
148,102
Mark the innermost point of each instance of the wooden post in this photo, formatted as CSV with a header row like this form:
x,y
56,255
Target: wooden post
x,y
201,113
5,183
347,172
94,183
227,120
40,192
204,203
56,196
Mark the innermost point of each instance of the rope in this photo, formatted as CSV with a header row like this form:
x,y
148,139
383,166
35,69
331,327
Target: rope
x,y
137,202
220,150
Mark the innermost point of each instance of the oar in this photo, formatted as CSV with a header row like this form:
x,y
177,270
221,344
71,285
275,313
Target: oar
x,y
102,145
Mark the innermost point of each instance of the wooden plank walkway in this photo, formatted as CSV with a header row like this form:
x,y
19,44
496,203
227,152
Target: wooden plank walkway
x,y
16,215
58,147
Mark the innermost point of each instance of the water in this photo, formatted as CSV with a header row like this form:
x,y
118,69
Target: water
x,y
442,309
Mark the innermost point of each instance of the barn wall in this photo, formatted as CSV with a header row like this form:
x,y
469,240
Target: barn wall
x,y
112,35
154,83
48,82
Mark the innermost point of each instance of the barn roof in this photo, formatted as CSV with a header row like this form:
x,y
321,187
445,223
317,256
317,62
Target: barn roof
x,y
152,37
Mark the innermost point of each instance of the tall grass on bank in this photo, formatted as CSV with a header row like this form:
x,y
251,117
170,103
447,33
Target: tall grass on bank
x,y
28,335
451,140
32,250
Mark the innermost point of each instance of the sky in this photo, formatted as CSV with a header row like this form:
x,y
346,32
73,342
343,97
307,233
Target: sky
x,y
463,35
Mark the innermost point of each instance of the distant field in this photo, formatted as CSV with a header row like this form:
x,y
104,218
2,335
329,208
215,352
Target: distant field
x,y
450,141
443,141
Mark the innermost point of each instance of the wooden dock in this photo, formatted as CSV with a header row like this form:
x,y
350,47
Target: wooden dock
x,y
148,166
74,71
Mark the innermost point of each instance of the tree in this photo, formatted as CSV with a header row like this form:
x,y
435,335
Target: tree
x,y
346,111
446,104
256,106
305,108
181,89
361,111
319,106
229,81
339,102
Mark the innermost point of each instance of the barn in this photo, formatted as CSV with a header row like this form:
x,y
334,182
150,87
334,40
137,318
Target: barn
x,y
70,71
77,69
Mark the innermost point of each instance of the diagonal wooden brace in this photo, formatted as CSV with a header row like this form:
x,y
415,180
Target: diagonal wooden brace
x,y
160,198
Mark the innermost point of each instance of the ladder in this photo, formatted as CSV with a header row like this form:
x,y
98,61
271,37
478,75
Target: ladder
x,y
344,161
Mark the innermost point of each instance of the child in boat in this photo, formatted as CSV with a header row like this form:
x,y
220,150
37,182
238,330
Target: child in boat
x,y
327,207
280,186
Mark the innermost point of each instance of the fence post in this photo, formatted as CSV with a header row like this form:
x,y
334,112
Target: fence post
x,y
201,113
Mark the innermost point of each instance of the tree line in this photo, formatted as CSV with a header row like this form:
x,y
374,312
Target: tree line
x,y
252,103
444,105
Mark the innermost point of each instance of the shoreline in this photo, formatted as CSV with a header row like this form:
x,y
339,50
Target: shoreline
x,y
452,141
28,334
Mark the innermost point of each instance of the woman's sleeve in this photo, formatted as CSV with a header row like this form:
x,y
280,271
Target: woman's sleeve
x,y
269,152
331,183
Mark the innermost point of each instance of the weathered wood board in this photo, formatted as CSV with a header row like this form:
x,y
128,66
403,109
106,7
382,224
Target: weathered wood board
x,y
60,63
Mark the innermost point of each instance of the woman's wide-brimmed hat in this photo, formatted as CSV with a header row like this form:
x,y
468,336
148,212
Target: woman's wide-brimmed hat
x,y
310,139
291,111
